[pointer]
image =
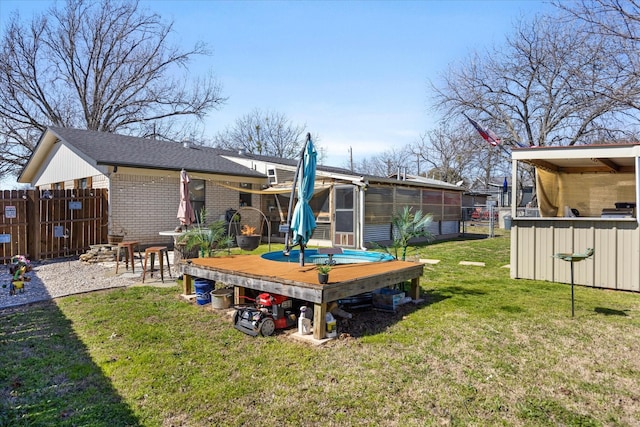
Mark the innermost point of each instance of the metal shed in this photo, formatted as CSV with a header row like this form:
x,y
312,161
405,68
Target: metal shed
x,y
587,198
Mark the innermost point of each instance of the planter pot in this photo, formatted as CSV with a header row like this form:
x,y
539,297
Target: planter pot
x,y
114,239
180,252
323,278
248,243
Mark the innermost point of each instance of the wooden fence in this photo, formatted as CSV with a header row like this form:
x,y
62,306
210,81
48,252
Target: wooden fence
x,y
51,223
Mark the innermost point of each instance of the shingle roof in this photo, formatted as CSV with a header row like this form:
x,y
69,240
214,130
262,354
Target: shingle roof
x,y
281,161
122,150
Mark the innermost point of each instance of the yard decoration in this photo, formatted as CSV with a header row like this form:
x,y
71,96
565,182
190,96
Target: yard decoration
x,y
207,240
574,258
248,240
20,265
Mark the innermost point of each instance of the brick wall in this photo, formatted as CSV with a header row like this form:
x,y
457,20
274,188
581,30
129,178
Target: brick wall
x,y
143,206
218,199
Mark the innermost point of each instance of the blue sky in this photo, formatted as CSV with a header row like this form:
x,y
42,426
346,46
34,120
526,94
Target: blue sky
x,y
355,73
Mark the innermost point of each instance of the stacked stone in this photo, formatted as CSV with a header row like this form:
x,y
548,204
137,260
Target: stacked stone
x,y
100,253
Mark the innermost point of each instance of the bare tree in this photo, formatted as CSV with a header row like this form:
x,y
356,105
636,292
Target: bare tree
x,y
547,85
102,65
444,154
264,133
610,18
387,163
618,22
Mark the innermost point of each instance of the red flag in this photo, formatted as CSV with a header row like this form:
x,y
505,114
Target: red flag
x,y
486,134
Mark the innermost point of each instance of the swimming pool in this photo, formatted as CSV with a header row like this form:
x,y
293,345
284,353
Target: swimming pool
x,y
311,256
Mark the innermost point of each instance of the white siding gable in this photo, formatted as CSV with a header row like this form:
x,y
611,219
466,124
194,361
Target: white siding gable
x,y
62,164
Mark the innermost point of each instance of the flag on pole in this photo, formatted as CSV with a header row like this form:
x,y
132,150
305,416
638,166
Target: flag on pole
x,y
486,134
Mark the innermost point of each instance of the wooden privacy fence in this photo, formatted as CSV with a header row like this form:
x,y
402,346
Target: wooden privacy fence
x,y
51,223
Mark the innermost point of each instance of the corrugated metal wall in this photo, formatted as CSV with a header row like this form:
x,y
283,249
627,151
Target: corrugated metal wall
x,y
615,264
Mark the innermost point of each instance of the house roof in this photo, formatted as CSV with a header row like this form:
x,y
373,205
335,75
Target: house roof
x,y
581,158
104,148
412,183
281,161
428,181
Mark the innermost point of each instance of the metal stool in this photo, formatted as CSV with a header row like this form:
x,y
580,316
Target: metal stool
x,y
152,252
128,253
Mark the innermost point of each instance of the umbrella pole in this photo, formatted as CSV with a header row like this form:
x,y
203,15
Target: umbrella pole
x,y
287,247
302,255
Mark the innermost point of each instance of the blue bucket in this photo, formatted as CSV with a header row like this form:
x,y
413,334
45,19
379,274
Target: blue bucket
x,y
203,291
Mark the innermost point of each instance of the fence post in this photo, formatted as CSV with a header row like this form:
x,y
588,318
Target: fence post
x,y
33,218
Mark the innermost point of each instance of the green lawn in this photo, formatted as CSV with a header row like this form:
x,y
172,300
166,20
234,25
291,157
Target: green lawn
x,y
482,350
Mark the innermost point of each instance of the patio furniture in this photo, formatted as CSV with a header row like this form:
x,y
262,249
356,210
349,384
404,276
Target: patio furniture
x,y
152,252
129,248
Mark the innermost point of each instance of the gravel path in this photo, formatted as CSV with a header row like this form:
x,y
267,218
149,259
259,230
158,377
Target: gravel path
x,y
57,278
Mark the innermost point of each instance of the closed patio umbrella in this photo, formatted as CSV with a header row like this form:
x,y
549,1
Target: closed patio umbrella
x,y
185,210
303,223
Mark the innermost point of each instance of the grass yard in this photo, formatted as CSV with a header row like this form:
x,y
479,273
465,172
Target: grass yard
x,y
482,350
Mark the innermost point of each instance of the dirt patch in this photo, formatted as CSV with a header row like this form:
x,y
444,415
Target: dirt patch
x,y
370,321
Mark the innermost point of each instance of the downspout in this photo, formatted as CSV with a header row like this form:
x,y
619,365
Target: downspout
x,y
109,198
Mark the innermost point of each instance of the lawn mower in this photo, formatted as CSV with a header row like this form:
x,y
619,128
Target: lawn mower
x,y
270,312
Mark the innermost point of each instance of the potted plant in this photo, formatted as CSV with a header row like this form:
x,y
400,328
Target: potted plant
x,y
205,240
323,273
407,226
248,240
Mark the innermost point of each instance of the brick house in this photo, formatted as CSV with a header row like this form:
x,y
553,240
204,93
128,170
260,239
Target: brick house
x,y
142,177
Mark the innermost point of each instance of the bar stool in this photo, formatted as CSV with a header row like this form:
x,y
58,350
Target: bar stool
x,y
128,253
151,252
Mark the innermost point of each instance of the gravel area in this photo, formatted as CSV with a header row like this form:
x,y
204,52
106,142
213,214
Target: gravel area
x,y
58,278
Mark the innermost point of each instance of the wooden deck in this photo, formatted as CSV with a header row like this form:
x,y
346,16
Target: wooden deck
x,y
292,280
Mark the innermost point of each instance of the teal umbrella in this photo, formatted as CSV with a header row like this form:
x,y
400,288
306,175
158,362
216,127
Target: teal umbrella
x,y
303,223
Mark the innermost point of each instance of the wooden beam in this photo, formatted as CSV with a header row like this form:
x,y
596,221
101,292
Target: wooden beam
x,y
414,293
597,169
613,166
238,295
319,321
543,164
187,284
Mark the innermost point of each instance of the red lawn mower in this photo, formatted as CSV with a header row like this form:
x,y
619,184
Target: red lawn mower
x,y
271,312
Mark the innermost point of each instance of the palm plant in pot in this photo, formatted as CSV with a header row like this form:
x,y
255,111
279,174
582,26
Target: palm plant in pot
x,y
323,273
206,240
248,239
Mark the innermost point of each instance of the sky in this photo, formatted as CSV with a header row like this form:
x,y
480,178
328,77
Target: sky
x,y
355,73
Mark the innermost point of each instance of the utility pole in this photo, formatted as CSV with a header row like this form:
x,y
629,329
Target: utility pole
x,y
351,158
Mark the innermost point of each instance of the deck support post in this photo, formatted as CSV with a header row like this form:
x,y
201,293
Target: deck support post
x,y
414,293
238,295
187,284
319,320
